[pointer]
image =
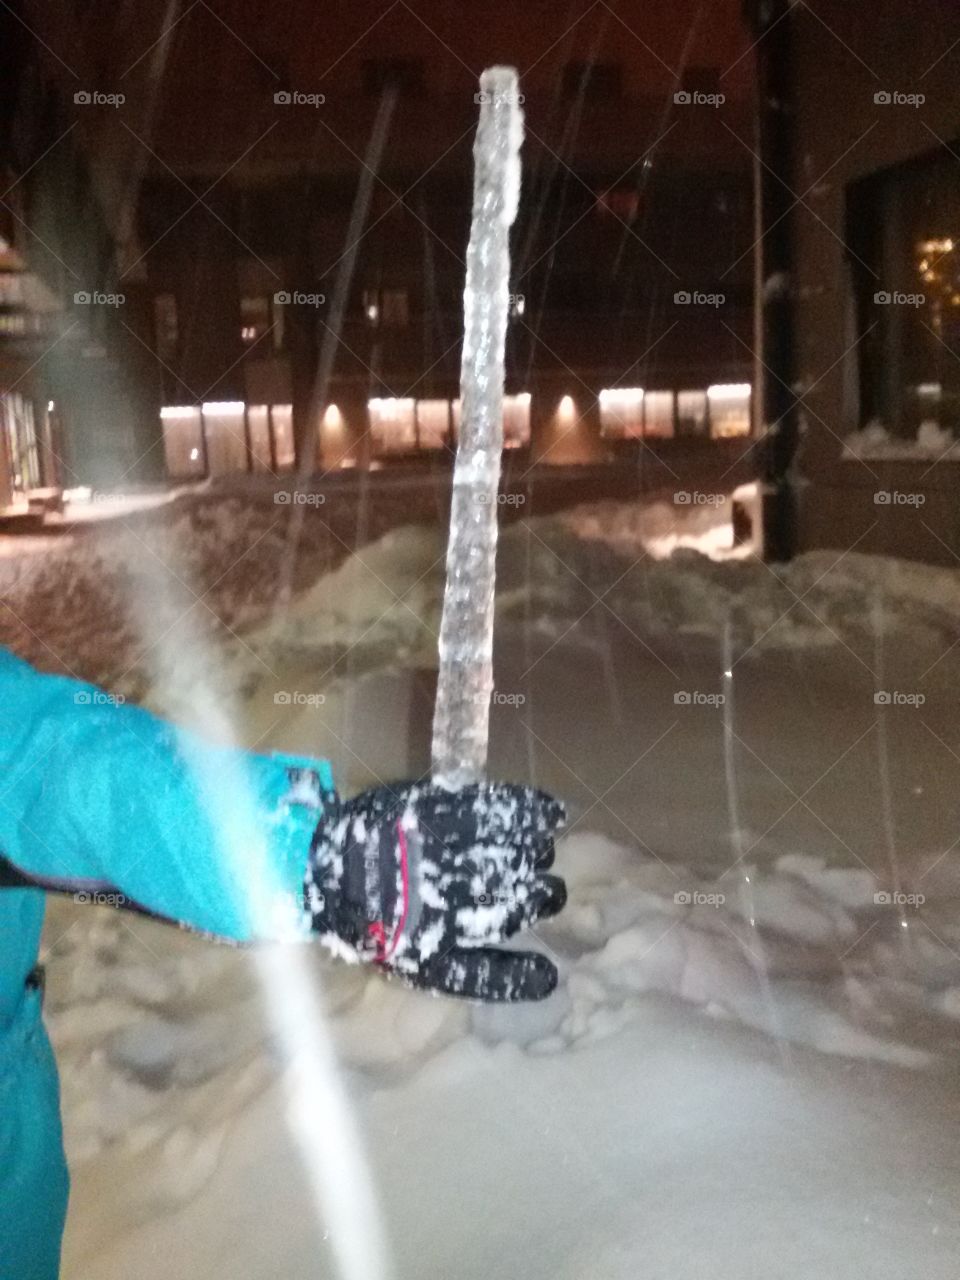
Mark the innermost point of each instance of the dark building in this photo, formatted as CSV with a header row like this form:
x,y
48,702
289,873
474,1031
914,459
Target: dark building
x,y
873,282
218,161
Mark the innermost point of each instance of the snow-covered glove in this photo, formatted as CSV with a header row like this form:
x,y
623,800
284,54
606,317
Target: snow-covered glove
x,y
423,881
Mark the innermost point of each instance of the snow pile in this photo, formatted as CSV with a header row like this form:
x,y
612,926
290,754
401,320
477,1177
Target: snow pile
x,y
385,597
660,526
95,603
749,1062
874,443
820,599
174,1097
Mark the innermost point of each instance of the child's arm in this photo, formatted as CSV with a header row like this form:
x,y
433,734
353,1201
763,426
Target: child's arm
x,y
101,798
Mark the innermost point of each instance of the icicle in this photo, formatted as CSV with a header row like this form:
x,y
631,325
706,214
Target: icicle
x,y
461,715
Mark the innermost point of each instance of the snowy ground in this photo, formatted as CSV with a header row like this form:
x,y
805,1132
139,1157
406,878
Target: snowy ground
x,y
750,1068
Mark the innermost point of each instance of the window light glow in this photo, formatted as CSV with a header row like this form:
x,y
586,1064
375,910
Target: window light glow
x,y
223,408
620,396
728,390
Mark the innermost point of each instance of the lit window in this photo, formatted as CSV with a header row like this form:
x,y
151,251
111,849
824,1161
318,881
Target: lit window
x,y
254,319
258,427
621,412
165,325
182,440
658,414
729,409
18,429
284,444
392,424
433,423
691,413
225,436
516,420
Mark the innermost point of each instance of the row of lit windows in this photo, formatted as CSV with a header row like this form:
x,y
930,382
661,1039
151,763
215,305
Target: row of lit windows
x,y
20,449
218,437
720,411
222,436
403,425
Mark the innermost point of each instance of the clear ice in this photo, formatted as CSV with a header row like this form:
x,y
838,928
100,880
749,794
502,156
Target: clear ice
x,y
462,712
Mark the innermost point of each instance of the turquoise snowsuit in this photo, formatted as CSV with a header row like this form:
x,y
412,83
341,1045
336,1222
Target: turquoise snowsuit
x,y
99,797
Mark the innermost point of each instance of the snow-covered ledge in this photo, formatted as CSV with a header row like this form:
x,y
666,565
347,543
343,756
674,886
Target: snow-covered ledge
x,y
875,444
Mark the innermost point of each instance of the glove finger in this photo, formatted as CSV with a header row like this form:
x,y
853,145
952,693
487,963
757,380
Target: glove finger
x,y
486,973
554,891
503,813
545,858
546,896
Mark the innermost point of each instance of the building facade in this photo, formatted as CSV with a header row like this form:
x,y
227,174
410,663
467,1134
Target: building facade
x,y
875,289
227,162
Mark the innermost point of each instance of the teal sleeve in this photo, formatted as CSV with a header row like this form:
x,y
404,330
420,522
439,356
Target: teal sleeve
x,y
97,797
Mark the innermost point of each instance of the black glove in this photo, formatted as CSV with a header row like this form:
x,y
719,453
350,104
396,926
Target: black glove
x,y
421,881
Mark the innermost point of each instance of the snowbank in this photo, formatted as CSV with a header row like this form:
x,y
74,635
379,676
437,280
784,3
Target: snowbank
x,y
874,443
748,1067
